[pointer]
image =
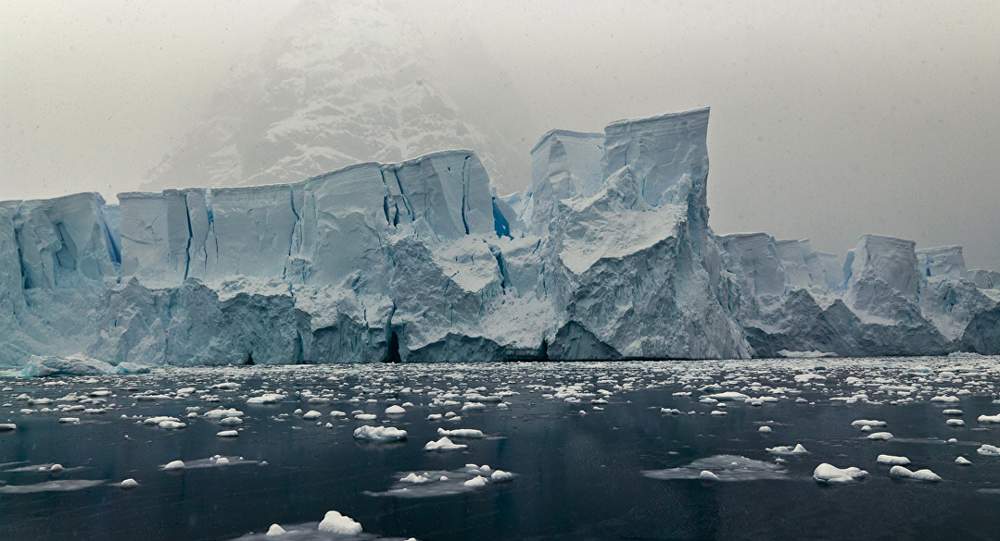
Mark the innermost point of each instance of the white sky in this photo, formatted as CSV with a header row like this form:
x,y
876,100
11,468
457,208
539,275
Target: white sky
x,y
829,119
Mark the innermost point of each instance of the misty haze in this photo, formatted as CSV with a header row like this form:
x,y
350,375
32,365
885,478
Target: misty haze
x,y
378,269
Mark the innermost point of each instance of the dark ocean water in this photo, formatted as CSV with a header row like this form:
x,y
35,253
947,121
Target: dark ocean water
x,y
578,476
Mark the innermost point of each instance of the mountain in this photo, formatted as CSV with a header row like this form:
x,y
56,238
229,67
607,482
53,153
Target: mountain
x,y
340,83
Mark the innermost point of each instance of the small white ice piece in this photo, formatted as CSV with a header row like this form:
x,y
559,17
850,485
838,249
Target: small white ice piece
x,y
443,444
128,484
380,434
920,475
892,460
830,474
336,523
476,482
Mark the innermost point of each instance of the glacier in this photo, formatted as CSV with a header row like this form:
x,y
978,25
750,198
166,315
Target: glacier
x,y
608,255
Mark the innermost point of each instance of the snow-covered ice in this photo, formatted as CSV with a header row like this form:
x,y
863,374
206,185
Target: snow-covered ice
x,y
830,474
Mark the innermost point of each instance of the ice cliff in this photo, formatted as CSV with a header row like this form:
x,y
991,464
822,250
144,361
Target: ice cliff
x,y
609,255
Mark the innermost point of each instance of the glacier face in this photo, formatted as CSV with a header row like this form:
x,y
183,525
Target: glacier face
x,y
609,255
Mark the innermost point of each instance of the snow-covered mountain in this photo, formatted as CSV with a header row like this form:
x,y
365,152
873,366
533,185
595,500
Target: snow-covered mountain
x,y
338,83
609,257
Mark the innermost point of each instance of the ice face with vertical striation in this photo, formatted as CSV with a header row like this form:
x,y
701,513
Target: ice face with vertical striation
x,y
645,237
564,164
609,256
942,261
63,241
882,276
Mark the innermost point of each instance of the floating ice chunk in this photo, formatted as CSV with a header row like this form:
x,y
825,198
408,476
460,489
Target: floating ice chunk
x,y
415,478
962,461
365,416
718,412
227,434
830,474
165,422
69,420
7,427
468,433
266,398
880,436
337,414
336,523
861,423
951,411
221,413
55,468
955,422
988,450
945,399
788,450
764,429
443,444
174,465
379,434
706,475
473,406
989,419
725,468
500,476
729,396
919,475
61,485
74,365
476,482
129,368
311,414
275,530
128,484
670,411
231,421
892,460
395,410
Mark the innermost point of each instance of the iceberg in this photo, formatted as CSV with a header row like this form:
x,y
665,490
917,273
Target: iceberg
x,y
609,255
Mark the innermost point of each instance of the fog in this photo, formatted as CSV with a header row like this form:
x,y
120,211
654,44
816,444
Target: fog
x,y
829,119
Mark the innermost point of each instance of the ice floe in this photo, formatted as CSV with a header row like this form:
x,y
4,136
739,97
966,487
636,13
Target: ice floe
x,y
379,434
919,475
725,468
444,444
893,460
335,522
830,474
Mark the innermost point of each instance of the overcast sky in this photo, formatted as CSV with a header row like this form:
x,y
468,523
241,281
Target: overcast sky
x,y
829,119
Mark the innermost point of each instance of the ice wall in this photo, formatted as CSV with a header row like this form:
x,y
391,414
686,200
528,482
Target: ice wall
x,y
316,231
942,261
564,164
636,254
422,261
883,276
62,242
753,259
